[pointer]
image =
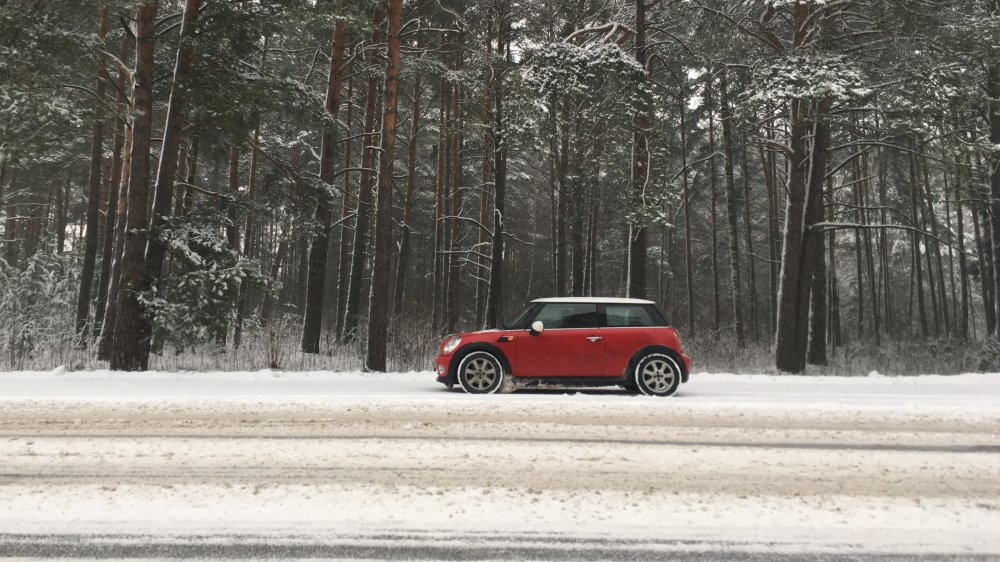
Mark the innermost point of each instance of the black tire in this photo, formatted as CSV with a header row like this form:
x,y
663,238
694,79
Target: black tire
x,y
480,372
657,374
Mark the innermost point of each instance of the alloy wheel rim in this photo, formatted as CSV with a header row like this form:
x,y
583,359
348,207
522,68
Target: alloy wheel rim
x,y
480,374
658,376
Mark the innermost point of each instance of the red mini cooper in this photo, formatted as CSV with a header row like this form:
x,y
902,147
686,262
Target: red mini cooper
x,y
570,341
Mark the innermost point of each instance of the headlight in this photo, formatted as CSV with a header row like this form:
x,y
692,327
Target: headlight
x,y
451,345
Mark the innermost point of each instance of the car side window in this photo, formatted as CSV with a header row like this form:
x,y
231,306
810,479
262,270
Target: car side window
x,y
628,316
568,315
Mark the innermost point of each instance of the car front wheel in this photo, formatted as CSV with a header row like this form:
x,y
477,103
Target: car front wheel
x,y
657,374
480,373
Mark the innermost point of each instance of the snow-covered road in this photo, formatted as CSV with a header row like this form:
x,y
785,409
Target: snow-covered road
x,y
733,464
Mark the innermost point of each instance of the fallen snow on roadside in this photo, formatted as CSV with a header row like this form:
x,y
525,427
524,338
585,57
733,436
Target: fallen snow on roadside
x,y
969,395
836,523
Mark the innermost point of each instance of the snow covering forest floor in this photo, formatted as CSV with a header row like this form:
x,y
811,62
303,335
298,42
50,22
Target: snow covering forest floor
x,y
93,462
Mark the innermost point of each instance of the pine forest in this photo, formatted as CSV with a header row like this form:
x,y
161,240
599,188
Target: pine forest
x,y
802,186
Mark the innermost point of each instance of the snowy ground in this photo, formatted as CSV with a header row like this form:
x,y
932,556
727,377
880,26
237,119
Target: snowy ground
x,y
394,466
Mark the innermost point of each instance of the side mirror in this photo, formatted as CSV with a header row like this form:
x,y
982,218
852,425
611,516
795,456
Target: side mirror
x,y
537,327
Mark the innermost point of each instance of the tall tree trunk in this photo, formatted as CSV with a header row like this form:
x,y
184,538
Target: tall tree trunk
x,y
576,212
643,122
993,91
806,179
915,243
987,288
553,157
403,263
869,253
344,269
814,328
496,292
592,247
963,268
312,324
187,202
819,313
93,203
156,247
951,254
10,245
932,280
378,301
714,210
789,355
481,260
61,200
121,219
933,242
564,199
485,193
926,220
859,220
440,175
232,217
835,330
3,206
592,208
110,212
127,351
773,254
819,298
751,264
93,208
249,241
185,160
457,177
884,239
688,253
228,208
732,209
360,245
301,270
984,237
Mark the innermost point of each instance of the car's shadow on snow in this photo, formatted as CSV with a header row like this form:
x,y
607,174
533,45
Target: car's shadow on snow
x,y
567,391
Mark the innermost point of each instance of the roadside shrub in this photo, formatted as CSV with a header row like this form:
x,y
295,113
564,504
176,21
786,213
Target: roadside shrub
x,y
37,314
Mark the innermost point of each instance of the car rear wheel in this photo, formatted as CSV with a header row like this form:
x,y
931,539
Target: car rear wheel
x,y
480,373
657,374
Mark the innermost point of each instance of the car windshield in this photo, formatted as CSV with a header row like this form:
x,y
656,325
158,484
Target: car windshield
x,y
519,320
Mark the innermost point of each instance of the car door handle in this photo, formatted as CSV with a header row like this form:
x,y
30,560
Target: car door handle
x,y
594,338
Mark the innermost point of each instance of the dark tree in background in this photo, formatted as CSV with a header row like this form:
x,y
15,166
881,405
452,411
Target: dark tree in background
x,y
641,170
127,352
327,174
93,203
163,196
378,302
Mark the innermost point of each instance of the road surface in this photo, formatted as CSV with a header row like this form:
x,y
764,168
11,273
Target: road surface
x,y
355,466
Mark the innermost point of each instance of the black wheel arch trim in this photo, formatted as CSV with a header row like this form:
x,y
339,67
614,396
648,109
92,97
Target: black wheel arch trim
x,y
634,360
457,357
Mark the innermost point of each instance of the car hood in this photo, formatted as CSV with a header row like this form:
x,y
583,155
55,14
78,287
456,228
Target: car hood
x,y
479,334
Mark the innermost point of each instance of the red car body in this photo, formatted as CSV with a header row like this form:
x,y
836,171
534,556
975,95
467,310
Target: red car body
x,y
584,341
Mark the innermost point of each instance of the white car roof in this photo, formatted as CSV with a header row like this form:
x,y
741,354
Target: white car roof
x,y
593,300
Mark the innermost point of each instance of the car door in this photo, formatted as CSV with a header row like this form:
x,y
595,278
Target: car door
x,y
569,346
626,328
